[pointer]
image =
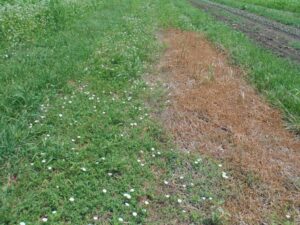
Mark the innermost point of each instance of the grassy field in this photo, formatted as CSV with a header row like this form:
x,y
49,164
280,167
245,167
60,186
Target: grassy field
x,y
77,145
268,9
285,5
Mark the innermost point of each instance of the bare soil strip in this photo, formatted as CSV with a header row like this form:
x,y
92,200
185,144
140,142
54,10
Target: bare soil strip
x,y
214,111
273,35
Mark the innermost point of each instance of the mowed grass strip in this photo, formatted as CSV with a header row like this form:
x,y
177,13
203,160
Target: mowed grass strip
x,y
286,5
277,14
77,143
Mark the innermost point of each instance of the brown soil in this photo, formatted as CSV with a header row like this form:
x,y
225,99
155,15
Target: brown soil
x,y
213,110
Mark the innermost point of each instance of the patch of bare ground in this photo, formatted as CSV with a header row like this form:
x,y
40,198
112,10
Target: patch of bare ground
x,y
213,110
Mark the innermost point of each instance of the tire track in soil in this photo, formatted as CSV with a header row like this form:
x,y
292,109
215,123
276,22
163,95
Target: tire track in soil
x,y
214,111
270,34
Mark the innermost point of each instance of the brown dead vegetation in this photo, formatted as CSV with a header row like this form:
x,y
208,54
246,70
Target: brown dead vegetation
x,y
213,110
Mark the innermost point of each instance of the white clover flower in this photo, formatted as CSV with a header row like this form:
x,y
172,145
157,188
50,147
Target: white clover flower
x,y
181,177
179,200
131,190
72,199
104,191
158,153
142,164
103,158
120,219
44,219
126,195
224,175
109,174
49,168
134,214
220,165
44,161
60,115
146,203
183,211
288,216
166,182
167,196
153,155
73,140
203,198
31,164
95,217
83,169
54,212
192,184
210,198
78,137
184,186
138,160
22,223
127,204
196,162
152,149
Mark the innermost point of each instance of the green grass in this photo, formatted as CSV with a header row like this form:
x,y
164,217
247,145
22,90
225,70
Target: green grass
x,y
279,15
74,121
285,5
295,44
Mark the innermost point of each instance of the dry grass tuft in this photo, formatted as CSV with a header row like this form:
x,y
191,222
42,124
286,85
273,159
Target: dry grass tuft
x,y
214,111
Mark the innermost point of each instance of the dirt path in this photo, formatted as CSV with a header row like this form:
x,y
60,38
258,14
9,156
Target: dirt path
x,y
214,111
273,35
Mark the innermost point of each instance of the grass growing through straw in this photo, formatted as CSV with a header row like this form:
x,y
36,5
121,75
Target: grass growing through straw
x,y
275,77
